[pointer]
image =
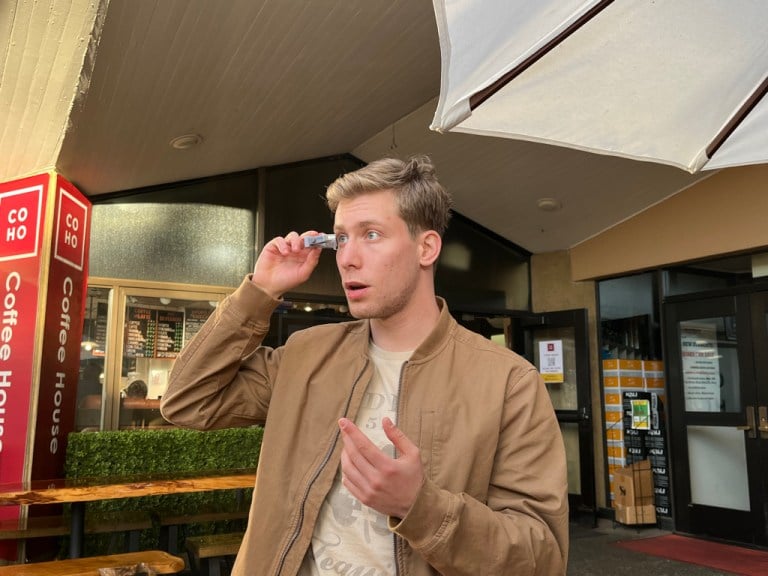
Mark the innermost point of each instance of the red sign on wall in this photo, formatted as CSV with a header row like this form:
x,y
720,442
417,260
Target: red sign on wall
x,y
44,234
64,311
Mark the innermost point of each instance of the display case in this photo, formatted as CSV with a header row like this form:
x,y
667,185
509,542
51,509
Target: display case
x,y
132,333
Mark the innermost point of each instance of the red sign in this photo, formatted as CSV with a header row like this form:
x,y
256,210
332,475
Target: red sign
x,y
64,311
31,272
22,205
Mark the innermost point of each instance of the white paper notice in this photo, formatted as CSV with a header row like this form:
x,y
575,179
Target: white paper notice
x,y
551,361
701,366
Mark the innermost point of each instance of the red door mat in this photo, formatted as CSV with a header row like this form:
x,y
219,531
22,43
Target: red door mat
x,y
733,559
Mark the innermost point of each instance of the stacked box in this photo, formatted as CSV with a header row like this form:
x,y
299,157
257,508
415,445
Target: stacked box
x,y
634,393
656,446
635,494
634,501
618,377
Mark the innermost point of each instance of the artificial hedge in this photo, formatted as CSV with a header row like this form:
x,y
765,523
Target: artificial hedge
x,y
161,452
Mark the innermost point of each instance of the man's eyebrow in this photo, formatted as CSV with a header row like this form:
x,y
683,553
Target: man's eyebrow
x,y
363,225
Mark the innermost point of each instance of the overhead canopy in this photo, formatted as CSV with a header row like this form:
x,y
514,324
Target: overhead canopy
x,y
677,82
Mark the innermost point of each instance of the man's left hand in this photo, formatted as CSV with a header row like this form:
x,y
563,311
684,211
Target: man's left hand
x,y
388,485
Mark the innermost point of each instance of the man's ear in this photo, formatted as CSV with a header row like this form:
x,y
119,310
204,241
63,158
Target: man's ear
x,y
429,248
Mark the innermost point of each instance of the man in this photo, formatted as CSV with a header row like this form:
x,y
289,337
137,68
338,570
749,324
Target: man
x,y
400,443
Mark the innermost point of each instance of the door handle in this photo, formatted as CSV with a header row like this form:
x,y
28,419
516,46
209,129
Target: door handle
x,y
750,425
763,424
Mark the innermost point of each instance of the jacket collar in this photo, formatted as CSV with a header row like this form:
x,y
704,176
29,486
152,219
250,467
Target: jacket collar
x,y
432,344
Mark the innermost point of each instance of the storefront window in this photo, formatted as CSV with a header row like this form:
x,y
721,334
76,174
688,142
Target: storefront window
x,y
133,333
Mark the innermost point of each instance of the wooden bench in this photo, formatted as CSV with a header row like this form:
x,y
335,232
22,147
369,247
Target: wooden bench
x,y
77,494
160,562
170,523
51,526
206,553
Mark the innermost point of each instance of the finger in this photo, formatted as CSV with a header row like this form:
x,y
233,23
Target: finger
x,y
364,453
351,476
294,241
400,441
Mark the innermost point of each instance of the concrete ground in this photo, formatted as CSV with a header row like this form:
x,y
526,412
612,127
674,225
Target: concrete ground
x,y
592,554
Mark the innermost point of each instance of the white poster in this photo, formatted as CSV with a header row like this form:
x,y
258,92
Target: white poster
x,y
701,366
551,361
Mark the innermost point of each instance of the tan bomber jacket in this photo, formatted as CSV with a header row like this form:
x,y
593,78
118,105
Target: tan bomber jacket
x,y
494,501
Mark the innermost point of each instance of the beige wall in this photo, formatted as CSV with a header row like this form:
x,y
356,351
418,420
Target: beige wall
x,y
726,213
552,289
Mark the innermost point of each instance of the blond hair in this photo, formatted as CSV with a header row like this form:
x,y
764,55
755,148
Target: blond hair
x,y
421,200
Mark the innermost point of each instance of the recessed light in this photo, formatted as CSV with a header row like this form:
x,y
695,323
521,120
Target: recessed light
x,y
549,204
186,141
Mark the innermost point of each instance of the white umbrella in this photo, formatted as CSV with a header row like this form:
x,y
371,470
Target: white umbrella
x,y
679,82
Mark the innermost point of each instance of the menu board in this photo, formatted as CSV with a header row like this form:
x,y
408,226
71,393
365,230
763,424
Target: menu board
x,y
152,333
170,333
140,328
194,320
100,328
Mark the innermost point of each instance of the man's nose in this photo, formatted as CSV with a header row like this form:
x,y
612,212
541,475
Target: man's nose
x,y
348,255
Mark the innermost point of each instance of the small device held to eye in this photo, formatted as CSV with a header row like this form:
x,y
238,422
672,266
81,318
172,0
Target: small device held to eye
x,y
321,240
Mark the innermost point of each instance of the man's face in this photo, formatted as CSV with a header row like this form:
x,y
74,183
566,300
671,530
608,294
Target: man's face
x,y
377,258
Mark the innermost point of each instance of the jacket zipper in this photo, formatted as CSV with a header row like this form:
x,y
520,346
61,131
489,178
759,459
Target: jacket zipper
x,y
396,539
305,496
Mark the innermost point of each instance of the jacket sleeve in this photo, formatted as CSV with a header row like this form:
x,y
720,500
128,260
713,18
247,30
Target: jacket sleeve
x,y
522,529
223,377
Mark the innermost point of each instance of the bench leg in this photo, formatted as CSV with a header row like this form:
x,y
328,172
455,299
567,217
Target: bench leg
x,y
169,539
210,567
77,529
132,540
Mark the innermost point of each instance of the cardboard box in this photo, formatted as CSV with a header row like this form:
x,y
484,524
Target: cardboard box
x,y
634,484
636,514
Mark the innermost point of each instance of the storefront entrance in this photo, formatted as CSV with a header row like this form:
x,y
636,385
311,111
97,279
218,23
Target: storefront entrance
x,y
717,351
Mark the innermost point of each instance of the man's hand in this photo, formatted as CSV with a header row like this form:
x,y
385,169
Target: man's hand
x,y
284,263
389,486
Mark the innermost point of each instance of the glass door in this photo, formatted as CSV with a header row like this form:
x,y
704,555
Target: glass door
x,y
557,344
718,374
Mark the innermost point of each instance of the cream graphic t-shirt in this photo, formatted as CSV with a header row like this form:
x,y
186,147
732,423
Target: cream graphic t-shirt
x,y
351,538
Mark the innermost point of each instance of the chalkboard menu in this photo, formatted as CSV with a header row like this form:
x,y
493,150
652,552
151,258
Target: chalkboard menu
x,y
170,333
140,329
151,333
194,320
100,327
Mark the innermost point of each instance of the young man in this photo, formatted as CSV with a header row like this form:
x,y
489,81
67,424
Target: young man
x,y
400,443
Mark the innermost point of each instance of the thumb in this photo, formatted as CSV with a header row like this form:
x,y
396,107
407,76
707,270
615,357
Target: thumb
x,y
400,441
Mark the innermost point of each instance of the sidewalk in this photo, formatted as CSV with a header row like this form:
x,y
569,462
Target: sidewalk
x,y
592,554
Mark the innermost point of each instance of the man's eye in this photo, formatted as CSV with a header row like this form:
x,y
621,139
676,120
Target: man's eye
x,y
371,235
341,239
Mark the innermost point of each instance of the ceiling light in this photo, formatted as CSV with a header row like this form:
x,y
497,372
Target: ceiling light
x,y
549,204
186,141
165,301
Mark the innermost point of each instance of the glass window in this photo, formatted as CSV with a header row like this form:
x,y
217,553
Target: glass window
x,y
198,232
629,325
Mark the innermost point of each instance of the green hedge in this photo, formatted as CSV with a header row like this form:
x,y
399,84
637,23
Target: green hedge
x,y
161,452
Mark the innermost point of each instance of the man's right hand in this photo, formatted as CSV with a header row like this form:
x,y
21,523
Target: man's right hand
x,y
284,264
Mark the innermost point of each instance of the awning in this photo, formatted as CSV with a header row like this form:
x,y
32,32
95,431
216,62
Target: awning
x,y
679,82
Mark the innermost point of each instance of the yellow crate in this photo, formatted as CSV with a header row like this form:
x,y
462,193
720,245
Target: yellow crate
x,y
654,383
613,416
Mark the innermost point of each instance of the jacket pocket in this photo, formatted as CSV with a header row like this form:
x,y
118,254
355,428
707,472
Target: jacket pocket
x,y
432,437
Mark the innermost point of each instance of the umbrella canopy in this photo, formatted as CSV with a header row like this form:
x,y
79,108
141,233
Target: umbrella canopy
x,y
679,82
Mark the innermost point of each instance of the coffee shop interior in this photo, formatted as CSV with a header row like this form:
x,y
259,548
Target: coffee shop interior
x,y
195,147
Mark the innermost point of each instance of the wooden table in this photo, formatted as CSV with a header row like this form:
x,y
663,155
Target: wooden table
x,y
160,562
78,492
